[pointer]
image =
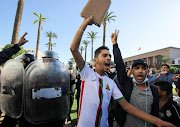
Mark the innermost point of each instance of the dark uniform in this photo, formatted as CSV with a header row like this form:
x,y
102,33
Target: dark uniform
x,y
4,56
22,120
7,53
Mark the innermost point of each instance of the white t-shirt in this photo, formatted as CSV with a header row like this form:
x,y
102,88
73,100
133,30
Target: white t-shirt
x,y
95,98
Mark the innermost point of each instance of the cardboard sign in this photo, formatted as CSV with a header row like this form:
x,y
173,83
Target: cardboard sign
x,y
97,8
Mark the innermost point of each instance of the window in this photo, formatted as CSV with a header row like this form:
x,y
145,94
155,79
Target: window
x,y
178,62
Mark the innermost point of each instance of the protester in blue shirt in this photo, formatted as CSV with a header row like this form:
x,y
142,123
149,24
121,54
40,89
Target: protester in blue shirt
x,y
164,75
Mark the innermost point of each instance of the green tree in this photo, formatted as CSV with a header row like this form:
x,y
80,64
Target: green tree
x,y
40,19
17,21
21,51
51,35
92,36
71,60
52,45
81,49
108,18
174,69
163,59
85,42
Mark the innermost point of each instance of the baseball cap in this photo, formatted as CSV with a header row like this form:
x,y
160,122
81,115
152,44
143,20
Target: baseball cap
x,y
139,61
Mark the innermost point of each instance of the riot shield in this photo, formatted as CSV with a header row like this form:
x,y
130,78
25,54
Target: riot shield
x,y
46,91
11,88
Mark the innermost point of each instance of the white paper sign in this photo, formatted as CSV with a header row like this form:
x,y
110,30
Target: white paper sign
x,y
46,93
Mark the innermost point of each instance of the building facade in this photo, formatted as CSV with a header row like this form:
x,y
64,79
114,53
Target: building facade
x,y
153,58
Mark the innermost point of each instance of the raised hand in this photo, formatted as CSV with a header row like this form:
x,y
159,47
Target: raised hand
x,y
156,70
22,40
89,21
175,79
114,37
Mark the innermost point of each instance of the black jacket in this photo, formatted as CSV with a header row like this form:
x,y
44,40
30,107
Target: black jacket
x,y
126,86
7,53
170,112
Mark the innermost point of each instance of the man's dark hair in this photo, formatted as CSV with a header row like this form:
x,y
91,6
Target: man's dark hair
x,y
98,50
164,86
166,65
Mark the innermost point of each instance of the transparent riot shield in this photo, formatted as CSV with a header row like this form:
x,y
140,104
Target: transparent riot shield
x,y
46,91
11,88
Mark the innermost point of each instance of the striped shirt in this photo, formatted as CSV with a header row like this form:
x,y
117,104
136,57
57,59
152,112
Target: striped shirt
x,y
96,92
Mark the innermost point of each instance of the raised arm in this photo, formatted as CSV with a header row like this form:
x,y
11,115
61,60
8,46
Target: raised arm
x,y
120,67
156,76
143,115
7,53
76,42
22,40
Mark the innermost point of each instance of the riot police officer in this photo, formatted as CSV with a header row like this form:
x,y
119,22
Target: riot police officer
x,y
45,93
72,74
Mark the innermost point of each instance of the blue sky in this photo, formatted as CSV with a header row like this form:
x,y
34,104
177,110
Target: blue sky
x,y
151,24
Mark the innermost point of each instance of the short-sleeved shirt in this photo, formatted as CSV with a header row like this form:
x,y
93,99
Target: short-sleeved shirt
x,y
96,92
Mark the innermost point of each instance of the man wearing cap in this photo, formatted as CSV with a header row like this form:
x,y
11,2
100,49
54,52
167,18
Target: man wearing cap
x,y
164,75
136,90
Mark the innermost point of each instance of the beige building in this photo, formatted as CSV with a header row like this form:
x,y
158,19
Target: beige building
x,y
153,58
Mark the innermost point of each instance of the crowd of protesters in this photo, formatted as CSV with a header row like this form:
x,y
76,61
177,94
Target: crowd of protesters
x,y
108,92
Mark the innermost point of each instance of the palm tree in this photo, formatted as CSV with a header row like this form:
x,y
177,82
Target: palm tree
x,y
51,35
93,36
164,59
40,19
81,49
72,60
17,21
52,45
108,18
85,42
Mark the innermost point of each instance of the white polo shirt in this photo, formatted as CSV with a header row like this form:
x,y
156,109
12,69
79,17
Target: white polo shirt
x,y
96,92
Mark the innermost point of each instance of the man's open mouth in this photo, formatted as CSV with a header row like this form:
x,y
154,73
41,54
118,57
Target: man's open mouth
x,y
107,64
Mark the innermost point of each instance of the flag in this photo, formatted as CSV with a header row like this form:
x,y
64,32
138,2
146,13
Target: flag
x,y
139,48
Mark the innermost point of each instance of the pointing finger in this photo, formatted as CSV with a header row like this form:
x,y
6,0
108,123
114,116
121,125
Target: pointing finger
x,y
25,34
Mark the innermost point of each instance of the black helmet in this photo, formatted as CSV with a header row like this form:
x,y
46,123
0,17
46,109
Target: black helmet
x,y
112,64
27,58
50,54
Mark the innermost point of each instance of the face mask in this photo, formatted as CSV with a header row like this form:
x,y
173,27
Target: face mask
x,y
164,72
145,80
70,71
112,70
